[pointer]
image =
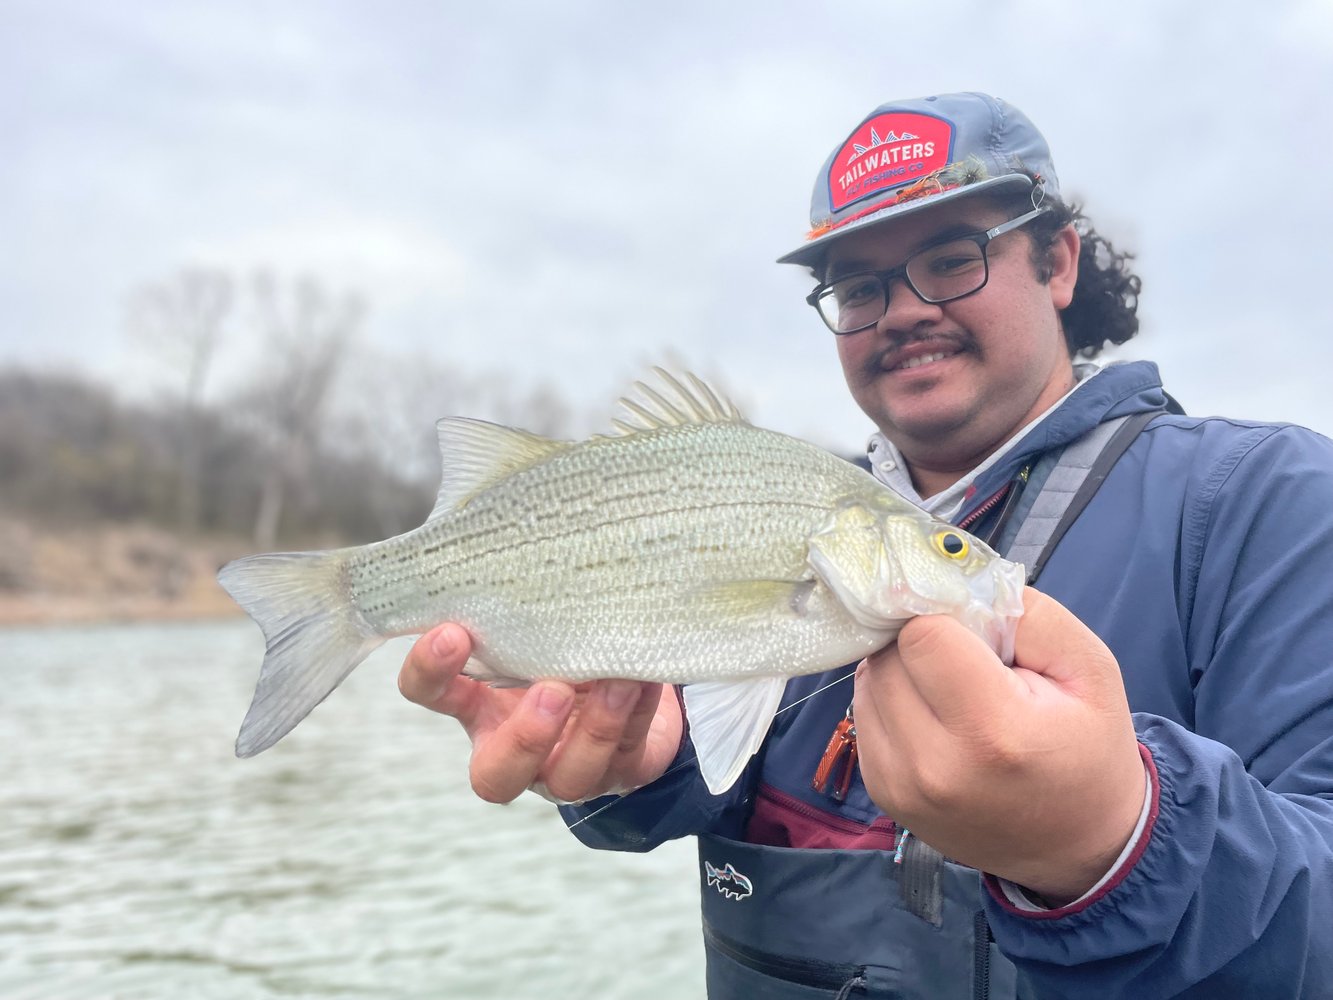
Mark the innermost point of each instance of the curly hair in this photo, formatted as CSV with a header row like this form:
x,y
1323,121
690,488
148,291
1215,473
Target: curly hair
x,y
1104,309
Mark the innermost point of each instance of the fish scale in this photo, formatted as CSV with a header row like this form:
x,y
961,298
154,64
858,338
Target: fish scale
x,y
690,548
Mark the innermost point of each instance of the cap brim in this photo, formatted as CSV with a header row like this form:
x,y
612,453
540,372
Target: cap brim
x,y
812,251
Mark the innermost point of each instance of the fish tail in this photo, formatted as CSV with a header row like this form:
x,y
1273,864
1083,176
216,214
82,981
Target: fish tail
x,y
314,633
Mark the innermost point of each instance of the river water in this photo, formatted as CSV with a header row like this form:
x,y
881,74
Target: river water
x,y
140,859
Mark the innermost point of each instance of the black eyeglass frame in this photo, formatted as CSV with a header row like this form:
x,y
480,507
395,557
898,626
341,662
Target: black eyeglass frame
x,y
885,278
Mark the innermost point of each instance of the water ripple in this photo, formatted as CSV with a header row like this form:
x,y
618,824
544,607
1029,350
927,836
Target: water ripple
x,y
140,859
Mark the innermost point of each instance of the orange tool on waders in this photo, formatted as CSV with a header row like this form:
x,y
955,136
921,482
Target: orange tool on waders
x,y
839,759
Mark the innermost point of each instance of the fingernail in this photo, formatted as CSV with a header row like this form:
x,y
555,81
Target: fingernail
x,y
444,645
552,700
618,694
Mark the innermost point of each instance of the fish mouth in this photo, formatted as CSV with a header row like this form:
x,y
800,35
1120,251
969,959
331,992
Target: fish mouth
x,y
996,606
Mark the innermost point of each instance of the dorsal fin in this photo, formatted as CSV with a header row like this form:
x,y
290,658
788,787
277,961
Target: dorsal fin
x,y
675,404
477,454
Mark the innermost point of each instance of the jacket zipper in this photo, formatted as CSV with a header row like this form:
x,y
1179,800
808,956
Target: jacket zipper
x,y
1009,493
981,941
985,507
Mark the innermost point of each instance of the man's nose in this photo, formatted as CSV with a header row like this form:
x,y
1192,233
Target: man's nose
x,y
906,310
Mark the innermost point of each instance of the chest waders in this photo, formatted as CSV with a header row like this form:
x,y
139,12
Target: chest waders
x,y
801,924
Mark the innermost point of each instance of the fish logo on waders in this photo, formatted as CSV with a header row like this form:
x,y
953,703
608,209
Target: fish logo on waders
x,y
728,881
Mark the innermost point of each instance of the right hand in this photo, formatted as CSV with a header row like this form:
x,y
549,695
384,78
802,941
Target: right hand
x,y
566,744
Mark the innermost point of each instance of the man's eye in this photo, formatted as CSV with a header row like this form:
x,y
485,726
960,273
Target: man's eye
x,y
857,291
958,263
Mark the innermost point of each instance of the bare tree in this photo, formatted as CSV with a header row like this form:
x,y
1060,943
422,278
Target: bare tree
x,y
181,319
387,421
305,332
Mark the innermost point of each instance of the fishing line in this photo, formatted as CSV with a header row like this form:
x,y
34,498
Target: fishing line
x,y
690,759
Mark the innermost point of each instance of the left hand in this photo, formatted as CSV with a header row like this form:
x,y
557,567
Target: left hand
x,y
1031,773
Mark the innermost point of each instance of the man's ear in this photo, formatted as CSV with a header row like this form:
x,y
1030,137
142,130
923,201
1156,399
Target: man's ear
x,y
1062,261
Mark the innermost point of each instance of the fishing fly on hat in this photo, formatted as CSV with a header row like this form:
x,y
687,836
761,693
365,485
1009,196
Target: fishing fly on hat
x,y
910,155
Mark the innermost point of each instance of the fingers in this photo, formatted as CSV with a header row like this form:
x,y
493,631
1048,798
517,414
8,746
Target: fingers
x,y
431,668
615,740
639,731
508,758
599,751
602,750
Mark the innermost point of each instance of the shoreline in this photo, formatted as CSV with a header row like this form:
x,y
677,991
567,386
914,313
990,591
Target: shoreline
x,y
57,610
108,573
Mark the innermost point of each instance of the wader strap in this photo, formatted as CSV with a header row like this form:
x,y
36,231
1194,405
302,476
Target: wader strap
x,y
919,881
1079,472
1070,481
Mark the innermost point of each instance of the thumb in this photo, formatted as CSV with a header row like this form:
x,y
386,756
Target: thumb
x,y
429,676
1051,641
953,669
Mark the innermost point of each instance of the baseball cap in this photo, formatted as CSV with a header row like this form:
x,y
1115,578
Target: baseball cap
x,y
913,154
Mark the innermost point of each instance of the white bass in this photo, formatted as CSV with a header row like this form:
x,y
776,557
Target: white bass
x,y
687,547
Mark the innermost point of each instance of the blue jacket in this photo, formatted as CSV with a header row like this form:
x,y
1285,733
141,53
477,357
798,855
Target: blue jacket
x,y
1205,562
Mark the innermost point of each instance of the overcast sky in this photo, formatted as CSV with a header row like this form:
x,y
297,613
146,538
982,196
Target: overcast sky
x,y
569,191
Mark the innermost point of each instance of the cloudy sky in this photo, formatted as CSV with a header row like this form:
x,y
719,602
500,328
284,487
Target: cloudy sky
x,y
568,191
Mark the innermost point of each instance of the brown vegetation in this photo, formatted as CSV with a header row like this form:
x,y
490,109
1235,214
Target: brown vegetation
x,y
112,509
90,488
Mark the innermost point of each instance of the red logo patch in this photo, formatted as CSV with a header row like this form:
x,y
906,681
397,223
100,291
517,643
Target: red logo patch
x,y
887,151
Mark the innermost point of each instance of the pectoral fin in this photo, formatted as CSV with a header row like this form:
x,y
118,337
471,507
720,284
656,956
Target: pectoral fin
x,y
728,721
739,600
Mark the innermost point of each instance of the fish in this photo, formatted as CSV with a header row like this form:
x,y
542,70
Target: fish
x,y
728,881
684,546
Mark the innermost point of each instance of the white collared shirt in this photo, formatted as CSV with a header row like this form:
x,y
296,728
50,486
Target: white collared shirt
x,y
889,467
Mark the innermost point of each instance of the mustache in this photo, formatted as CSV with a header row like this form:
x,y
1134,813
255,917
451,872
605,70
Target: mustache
x,y
890,353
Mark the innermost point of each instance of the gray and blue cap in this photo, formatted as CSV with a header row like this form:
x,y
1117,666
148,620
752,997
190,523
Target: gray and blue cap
x,y
910,155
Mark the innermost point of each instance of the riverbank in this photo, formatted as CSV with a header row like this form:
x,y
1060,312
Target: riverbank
x,y
91,574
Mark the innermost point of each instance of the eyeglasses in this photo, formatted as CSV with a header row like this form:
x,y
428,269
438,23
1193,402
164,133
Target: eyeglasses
x,y
941,273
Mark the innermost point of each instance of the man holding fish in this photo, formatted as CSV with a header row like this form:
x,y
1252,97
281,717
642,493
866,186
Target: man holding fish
x,y
1142,803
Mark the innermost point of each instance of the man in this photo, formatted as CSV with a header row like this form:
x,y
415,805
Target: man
x,y
1186,848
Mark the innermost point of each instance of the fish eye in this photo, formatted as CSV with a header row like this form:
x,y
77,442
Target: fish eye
x,y
950,544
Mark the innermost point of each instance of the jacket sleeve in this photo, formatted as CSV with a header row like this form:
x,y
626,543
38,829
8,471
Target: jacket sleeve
x,y
1231,890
